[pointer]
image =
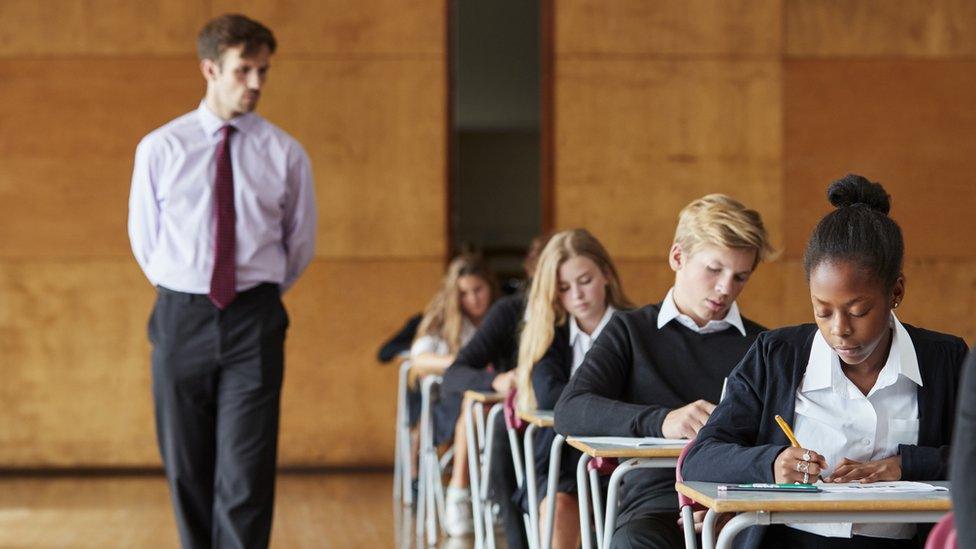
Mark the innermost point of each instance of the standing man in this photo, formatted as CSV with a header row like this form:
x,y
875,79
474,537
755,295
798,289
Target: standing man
x,y
222,221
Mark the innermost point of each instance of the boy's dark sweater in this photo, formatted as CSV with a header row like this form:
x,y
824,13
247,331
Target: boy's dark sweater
x,y
633,376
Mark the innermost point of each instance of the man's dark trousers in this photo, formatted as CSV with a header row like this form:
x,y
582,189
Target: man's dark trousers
x,y
216,386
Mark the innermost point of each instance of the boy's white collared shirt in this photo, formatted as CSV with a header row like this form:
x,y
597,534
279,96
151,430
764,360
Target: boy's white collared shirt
x,y
669,311
836,420
581,342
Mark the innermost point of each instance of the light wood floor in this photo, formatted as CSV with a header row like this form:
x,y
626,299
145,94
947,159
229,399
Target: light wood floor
x,y
341,510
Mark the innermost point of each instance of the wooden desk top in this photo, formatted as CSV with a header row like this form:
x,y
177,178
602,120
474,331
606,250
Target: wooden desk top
x,y
483,397
625,452
539,418
707,494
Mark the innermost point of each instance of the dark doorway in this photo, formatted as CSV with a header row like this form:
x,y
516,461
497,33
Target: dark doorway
x,y
496,120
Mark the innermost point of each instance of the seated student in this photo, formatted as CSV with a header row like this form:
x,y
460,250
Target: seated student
x,y
869,398
574,294
656,371
963,469
455,312
449,322
485,363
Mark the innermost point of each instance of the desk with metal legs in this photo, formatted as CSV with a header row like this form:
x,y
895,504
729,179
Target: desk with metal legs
x,y
636,458
540,419
479,461
765,508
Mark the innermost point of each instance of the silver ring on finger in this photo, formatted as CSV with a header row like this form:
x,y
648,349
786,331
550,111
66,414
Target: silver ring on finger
x,y
806,456
804,467
806,478
798,466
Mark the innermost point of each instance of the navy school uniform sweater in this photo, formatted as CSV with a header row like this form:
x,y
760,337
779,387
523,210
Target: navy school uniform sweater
x,y
495,344
741,440
633,376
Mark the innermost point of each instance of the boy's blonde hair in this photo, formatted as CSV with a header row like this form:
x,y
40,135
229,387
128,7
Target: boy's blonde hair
x,y
720,220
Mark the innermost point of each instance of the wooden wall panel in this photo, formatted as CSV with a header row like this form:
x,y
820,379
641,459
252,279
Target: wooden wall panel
x,y
76,362
400,27
339,402
47,211
100,27
97,108
71,133
909,124
670,27
941,295
374,130
638,139
857,28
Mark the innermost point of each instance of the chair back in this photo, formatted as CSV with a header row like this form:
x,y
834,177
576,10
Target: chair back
x,y
943,535
683,499
602,466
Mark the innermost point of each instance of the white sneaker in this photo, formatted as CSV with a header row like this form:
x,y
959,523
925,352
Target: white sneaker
x,y
457,512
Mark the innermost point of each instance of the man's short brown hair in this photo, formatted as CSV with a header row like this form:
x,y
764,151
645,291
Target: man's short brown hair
x,y
233,29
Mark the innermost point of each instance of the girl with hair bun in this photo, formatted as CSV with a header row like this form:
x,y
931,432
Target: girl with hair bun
x,y
869,398
574,294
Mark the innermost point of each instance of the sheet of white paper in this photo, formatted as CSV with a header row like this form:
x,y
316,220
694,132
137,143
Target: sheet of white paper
x,y
901,486
629,442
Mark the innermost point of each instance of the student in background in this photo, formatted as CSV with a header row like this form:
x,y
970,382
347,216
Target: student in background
x,y
452,316
657,371
963,469
448,323
574,294
869,398
484,364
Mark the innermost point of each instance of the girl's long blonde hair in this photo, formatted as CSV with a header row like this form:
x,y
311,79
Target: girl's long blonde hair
x,y
443,316
544,310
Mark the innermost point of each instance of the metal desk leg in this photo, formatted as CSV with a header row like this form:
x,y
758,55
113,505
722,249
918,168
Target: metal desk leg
x,y
708,530
597,506
402,458
530,484
473,473
584,503
489,515
516,448
555,459
732,528
688,516
610,524
612,496
423,474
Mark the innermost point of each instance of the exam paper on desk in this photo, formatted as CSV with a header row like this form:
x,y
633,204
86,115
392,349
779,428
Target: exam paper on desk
x,y
635,442
896,487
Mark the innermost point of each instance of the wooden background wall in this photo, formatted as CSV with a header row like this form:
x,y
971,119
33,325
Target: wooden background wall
x,y
655,103
361,84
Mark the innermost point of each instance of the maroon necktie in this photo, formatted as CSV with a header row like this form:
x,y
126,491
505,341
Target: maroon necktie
x,y
223,281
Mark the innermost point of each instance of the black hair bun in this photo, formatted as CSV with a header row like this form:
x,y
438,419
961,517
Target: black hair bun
x,y
856,189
